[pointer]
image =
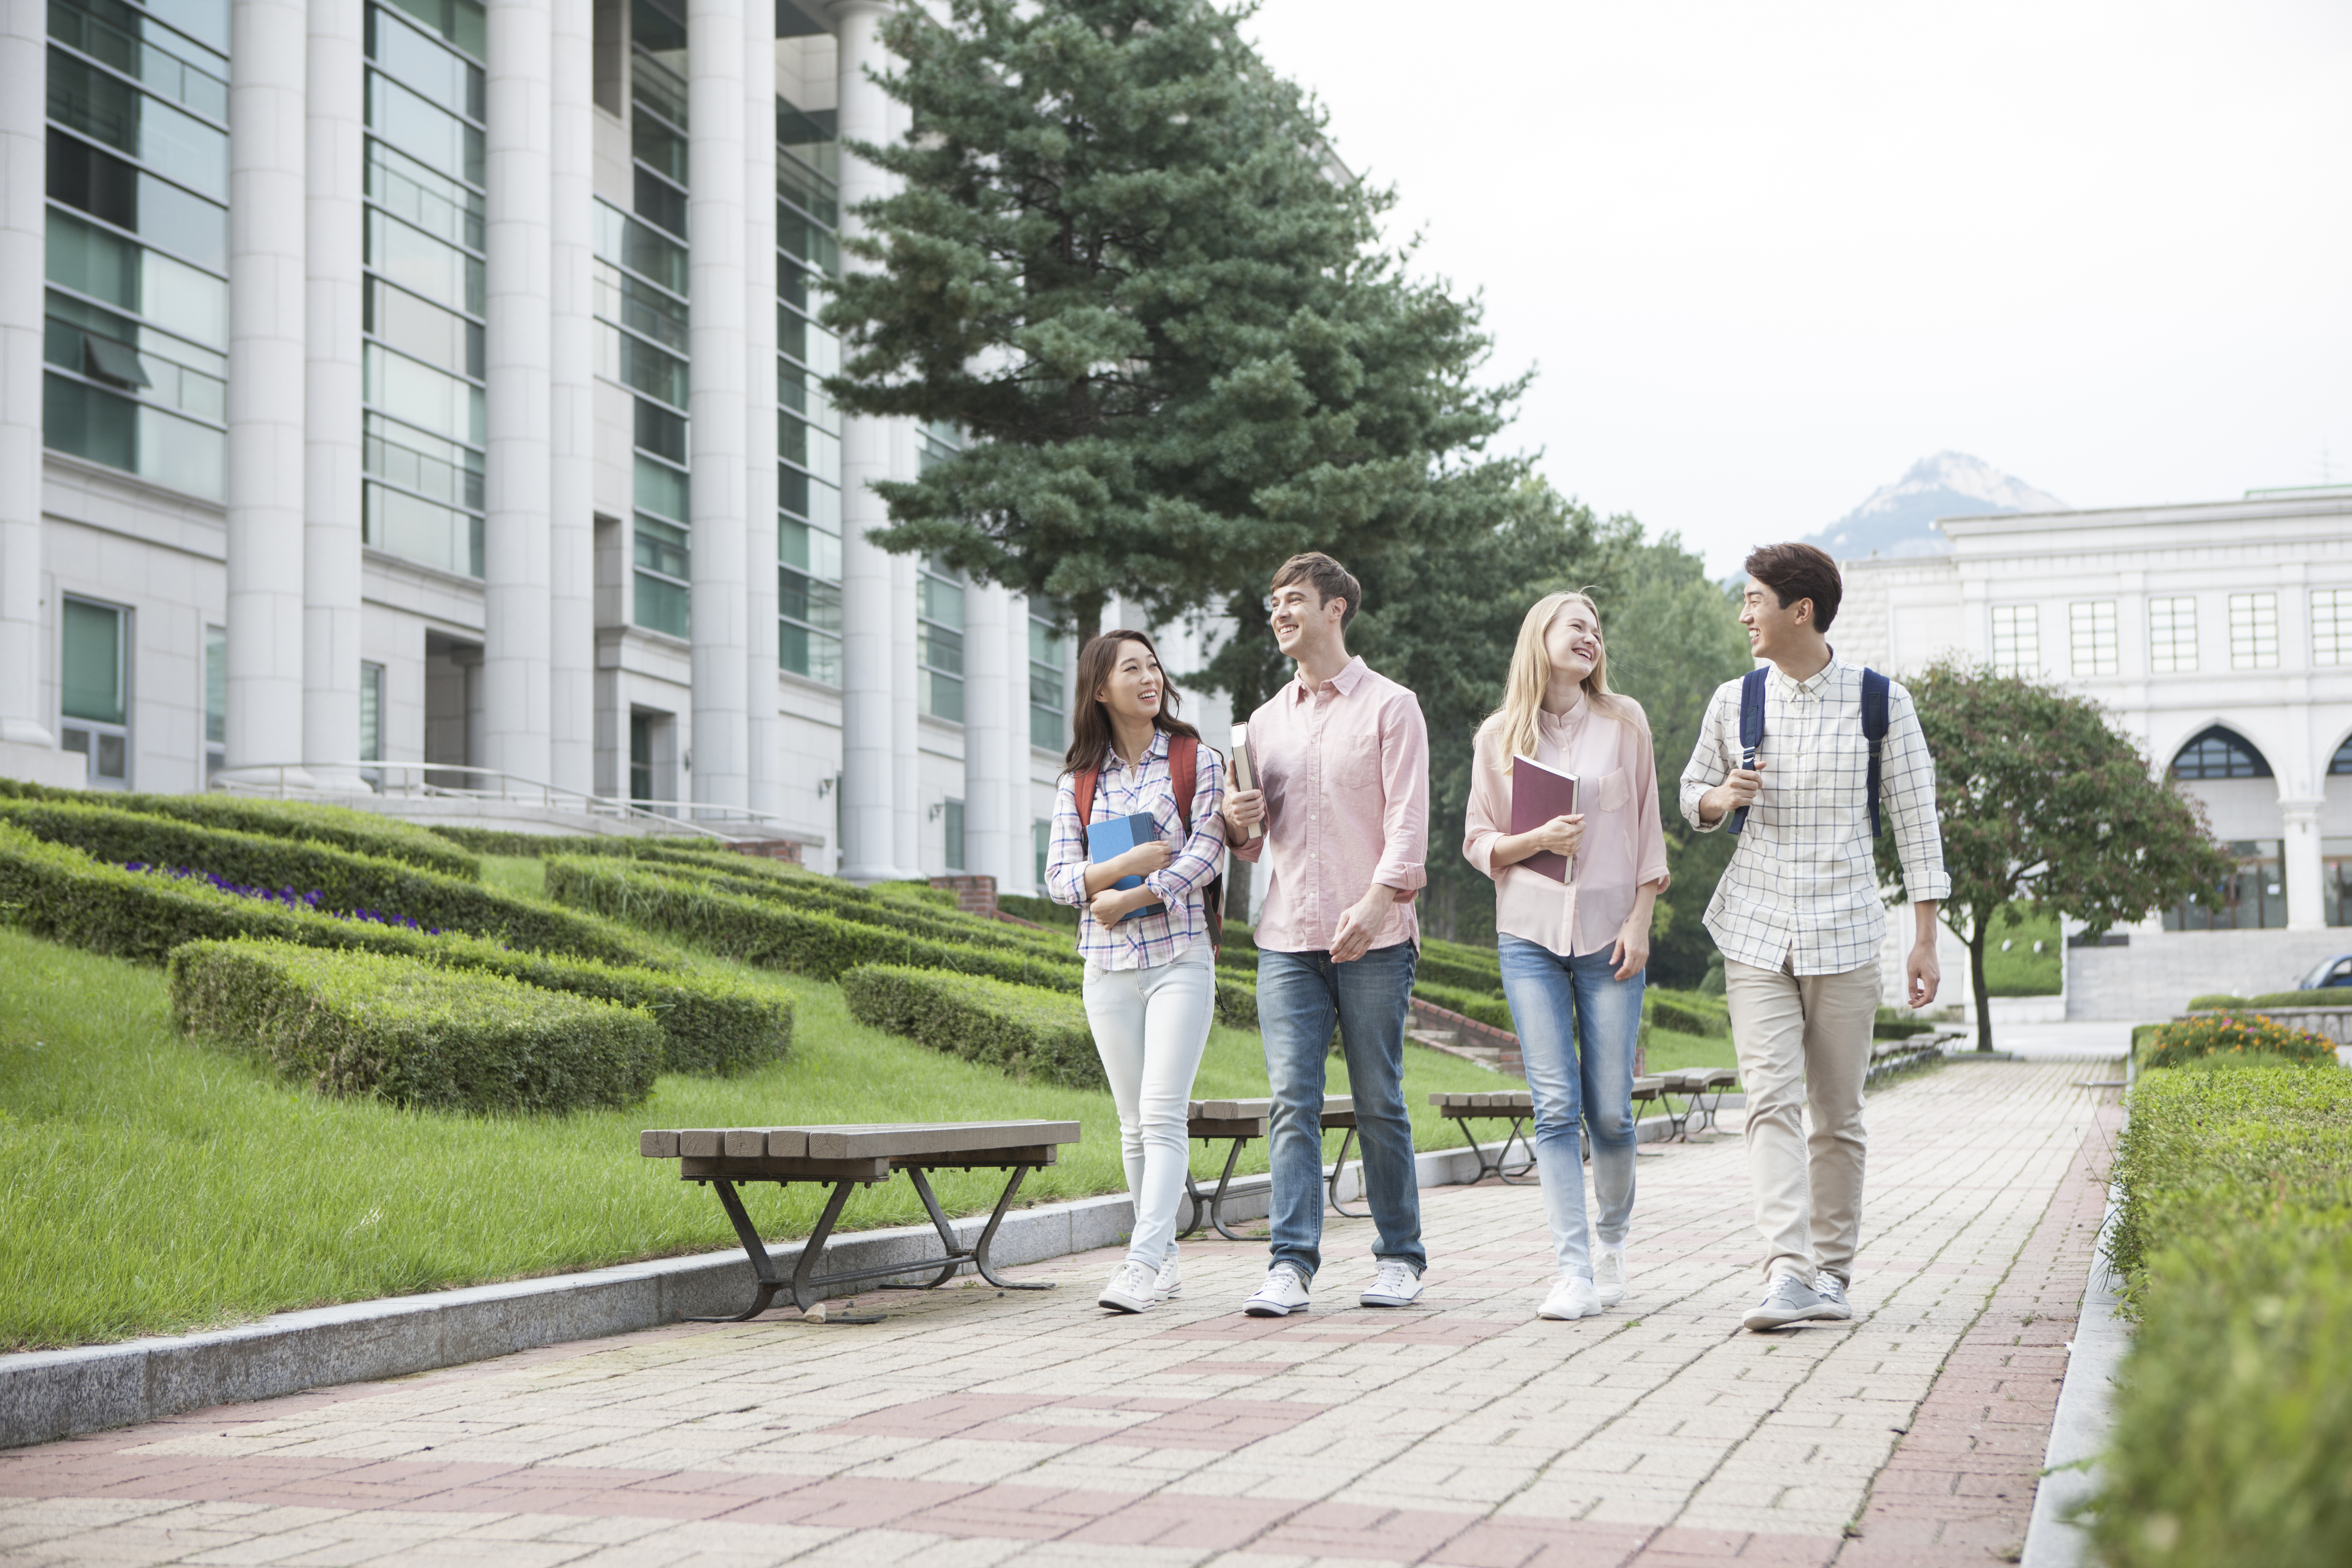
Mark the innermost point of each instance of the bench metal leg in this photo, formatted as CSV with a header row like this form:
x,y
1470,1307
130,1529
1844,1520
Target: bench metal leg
x,y
988,1235
1217,1201
1493,1167
1339,1165
763,1267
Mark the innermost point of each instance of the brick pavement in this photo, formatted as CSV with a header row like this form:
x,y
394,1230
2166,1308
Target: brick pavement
x,y
977,1428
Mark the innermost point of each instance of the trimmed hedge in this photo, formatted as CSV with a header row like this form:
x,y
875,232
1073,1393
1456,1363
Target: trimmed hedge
x,y
691,849
370,1026
338,827
2190,1040
1028,1032
1486,1010
345,881
2234,1408
1236,1004
779,936
710,1023
1682,1020
2331,996
1044,912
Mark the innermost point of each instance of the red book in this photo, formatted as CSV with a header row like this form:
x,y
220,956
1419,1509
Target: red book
x,y
1538,793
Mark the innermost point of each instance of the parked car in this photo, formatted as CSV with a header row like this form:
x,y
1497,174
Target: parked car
x,y
2328,973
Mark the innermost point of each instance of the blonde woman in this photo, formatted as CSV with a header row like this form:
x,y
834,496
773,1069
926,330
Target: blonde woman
x,y
1573,952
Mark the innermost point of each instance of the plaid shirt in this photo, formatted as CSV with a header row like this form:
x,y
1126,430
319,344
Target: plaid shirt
x,y
1802,888
1158,933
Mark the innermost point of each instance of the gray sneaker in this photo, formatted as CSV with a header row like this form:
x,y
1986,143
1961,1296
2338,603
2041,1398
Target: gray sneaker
x,y
1831,1289
1789,1300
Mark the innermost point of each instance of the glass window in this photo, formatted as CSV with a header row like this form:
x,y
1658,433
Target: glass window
x,y
953,813
458,22
2331,626
2091,637
2216,753
424,199
641,756
939,642
1040,841
423,129
421,330
641,367
636,304
216,700
133,42
370,712
2252,897
648,252
172,141
101,426
2017,639
420,62
1049,655
2253,631
421,531
439,471
419,394
660,431
424,265
2172,635
662,563
93,662
2335,879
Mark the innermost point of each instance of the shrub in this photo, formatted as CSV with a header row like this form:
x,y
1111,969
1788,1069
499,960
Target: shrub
x,y
338,826
687,850
779,936
1236,1004
1683,1020
2235,1036
2333,996
411,1034
1028,1032
1489,1010
1044,912
344,881
836,897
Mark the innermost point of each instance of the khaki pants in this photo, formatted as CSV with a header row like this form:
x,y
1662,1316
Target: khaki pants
x,y
1804,1039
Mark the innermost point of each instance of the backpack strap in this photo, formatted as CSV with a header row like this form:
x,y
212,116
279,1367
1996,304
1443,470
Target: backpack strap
x,y
1083,784
1751,730
1185,775
1875,689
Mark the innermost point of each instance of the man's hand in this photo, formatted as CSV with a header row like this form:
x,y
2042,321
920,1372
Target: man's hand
x,y
1114,904
1361,922
1922,977
1244,809
1740,789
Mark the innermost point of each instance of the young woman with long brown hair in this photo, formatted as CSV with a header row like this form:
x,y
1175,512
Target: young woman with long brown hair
x,y
1573,952
1151,981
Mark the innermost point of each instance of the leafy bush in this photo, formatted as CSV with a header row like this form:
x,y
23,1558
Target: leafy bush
x,y
1489,1010
2333,996
340,827
1670,1015
2235,1036
687,850
836,897
1044,912
1028,1032
411,1034
710,1023
779,936
1236,1004
2234,1408
345,881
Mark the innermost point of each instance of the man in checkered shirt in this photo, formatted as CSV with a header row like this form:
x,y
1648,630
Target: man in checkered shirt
x,y
1799,921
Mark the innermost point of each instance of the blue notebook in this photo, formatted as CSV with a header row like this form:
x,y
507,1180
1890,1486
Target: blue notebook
x,y
1110,838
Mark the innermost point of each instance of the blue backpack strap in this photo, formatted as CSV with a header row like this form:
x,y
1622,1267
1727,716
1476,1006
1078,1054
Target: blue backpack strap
x,y
1873,730
1751,730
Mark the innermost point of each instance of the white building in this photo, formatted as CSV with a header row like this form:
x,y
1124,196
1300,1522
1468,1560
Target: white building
x,y
2219,636
434,381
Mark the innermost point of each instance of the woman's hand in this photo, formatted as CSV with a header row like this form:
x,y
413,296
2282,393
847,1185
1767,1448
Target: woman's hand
x,y
1153,855
1561,835
1114,904
1632,949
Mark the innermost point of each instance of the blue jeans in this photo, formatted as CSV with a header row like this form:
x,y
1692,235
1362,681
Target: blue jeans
x,y
1298,996
1577,1028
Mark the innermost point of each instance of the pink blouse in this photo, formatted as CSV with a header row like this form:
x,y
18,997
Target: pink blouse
x,y
1624,846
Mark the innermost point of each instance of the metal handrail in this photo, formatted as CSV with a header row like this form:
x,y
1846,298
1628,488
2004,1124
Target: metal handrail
x,y
509,787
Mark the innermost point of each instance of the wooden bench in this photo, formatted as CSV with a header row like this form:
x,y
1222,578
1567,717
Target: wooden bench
x,y
1208,1120
1517,1106
1702,1090
850,1156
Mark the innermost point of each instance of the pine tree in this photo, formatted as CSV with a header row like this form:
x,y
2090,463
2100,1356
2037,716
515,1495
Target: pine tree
x,y
1124,262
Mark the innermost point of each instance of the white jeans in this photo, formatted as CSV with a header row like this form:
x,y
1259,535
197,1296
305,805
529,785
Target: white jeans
x,y
1150,1027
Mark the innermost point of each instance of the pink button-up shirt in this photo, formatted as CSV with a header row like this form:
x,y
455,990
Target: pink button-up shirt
x,y
1345,767
1624,845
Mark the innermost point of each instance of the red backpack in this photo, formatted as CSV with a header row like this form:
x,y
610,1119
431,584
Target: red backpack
x,y
1184,773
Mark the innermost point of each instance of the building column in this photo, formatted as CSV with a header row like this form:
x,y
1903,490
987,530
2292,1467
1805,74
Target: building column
x,y
516,637
1018,816
869,781
2306,881
267,300
572,477
762,728
906,727
331,388
989,703
715,436
24,228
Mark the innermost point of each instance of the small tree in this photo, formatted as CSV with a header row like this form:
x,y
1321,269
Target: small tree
x,y
1124,261
2040,796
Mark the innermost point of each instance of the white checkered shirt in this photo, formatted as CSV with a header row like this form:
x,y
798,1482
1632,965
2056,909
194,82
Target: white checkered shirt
x,y
1802,888
1161,931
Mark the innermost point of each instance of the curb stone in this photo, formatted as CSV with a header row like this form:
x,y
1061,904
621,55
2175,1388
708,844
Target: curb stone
x,y
2085,1415
50,1395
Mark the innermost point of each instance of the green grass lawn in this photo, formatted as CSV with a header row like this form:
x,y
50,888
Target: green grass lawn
x,y
153,1183
2020,970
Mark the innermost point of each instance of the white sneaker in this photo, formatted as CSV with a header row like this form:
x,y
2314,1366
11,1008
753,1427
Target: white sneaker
x,y
1129,1290
1572,1297
1170,1284
1284,1293
1609,1275
1791,1299
1831,1288
1394,1284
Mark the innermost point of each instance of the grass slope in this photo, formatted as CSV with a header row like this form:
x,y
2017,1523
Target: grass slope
x,y
153,1183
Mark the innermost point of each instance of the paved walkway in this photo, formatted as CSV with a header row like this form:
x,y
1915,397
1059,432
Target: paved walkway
x,y
975,1428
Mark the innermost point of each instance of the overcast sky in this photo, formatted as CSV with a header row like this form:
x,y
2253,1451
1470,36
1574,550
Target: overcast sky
x,y
1765,257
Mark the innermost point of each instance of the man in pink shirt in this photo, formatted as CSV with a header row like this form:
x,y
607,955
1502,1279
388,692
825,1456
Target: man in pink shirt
x,y
1342,768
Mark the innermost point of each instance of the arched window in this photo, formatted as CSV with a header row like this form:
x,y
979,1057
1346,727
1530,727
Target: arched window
x,y
2217,754
2341,763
